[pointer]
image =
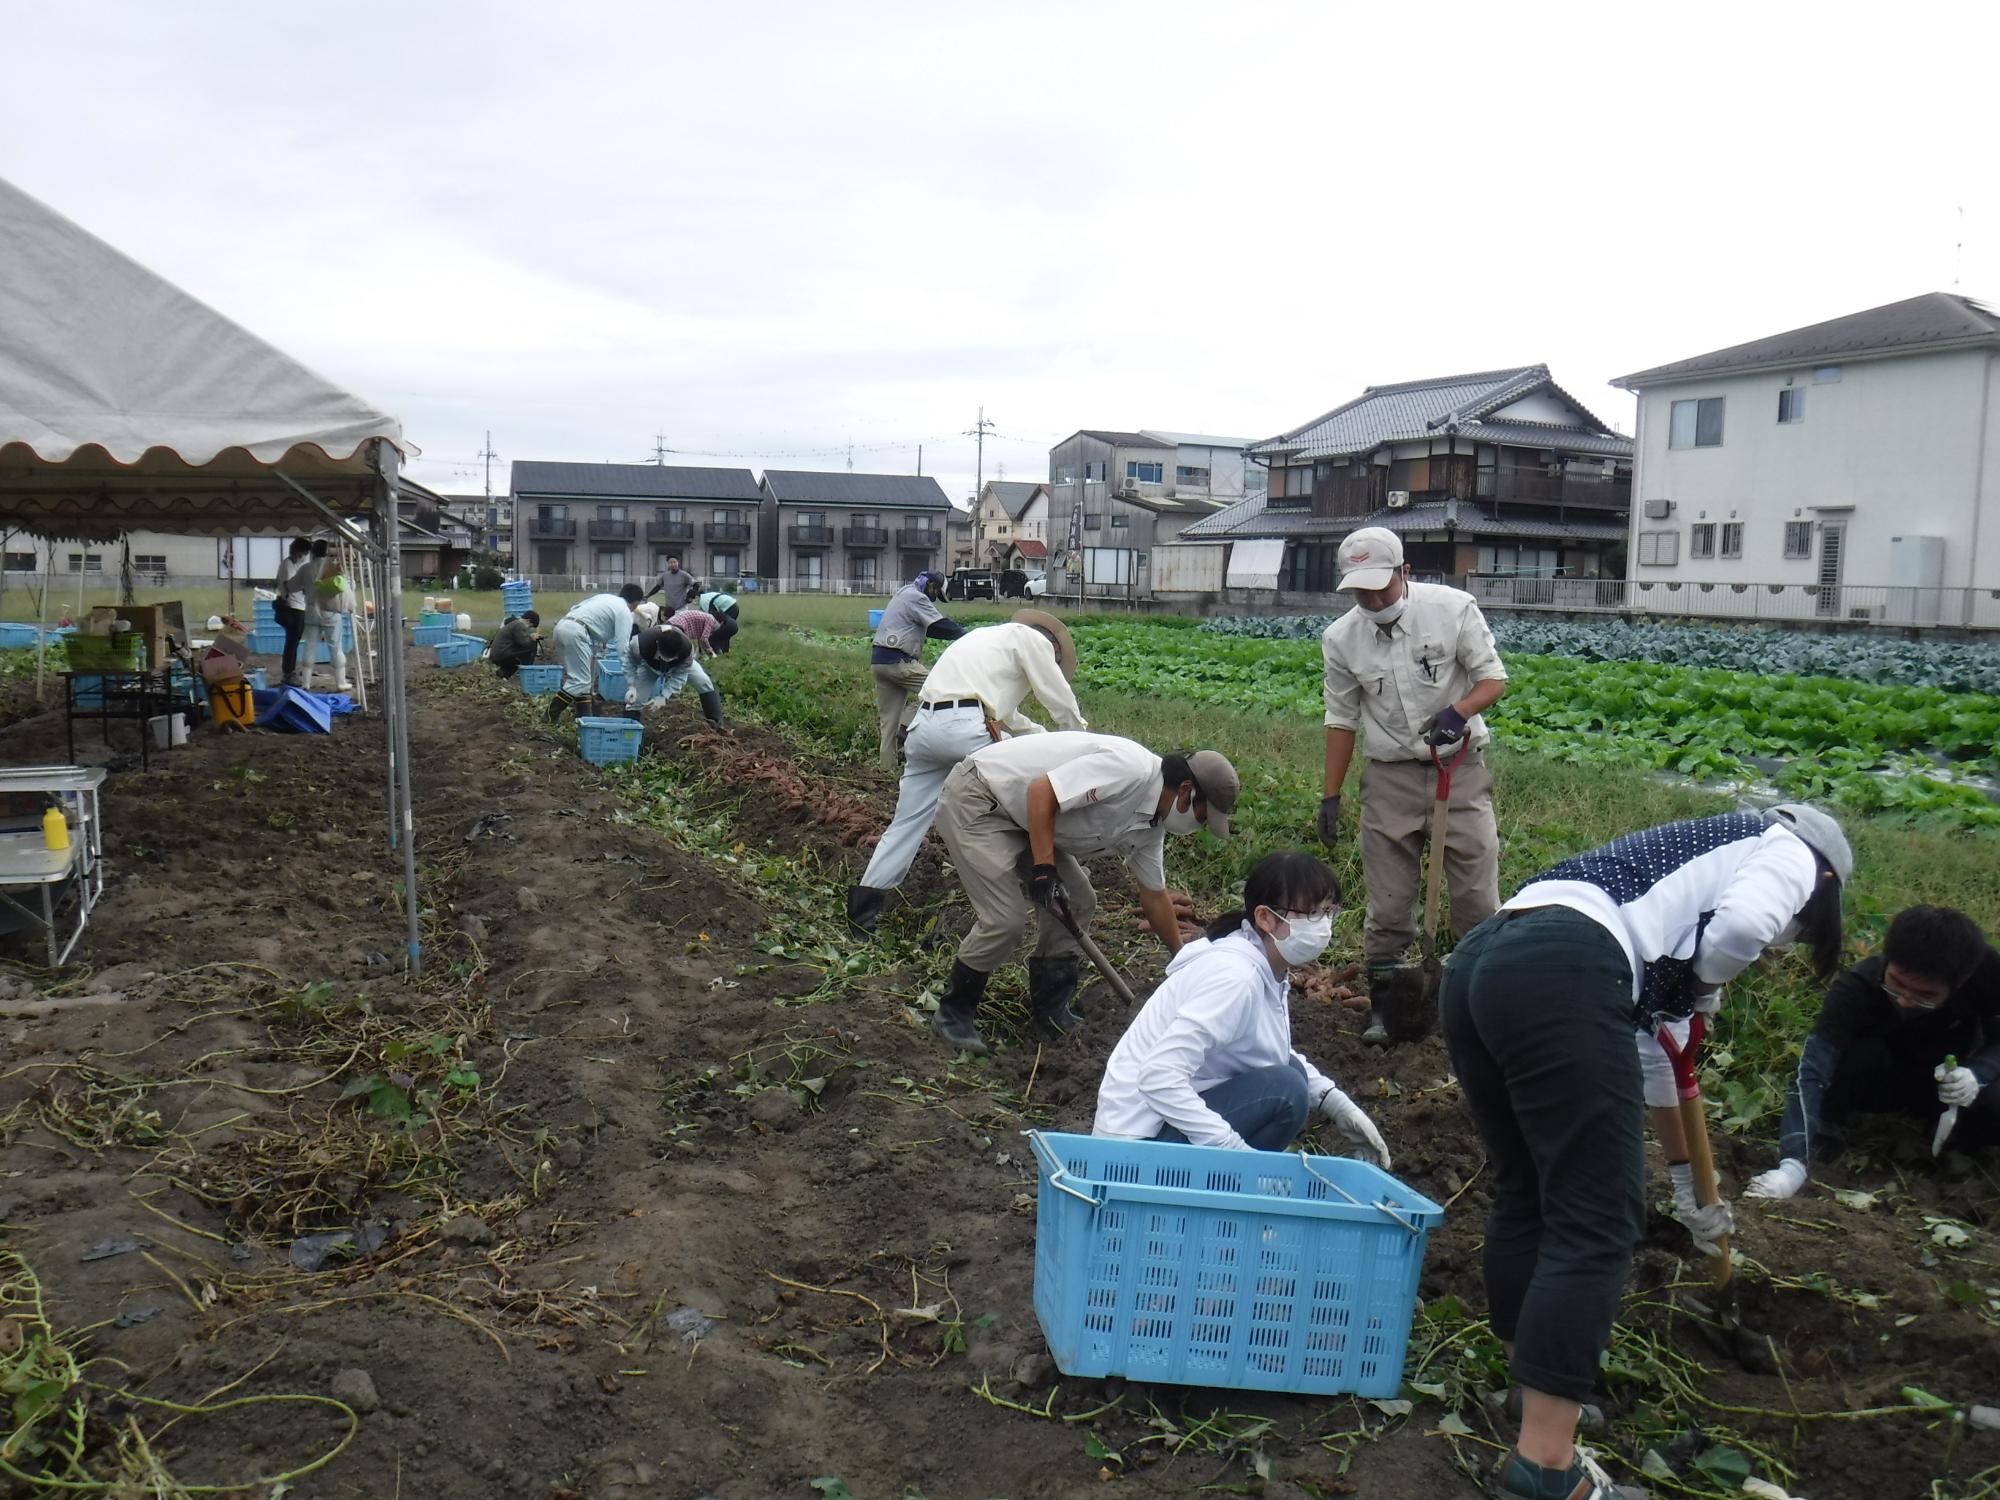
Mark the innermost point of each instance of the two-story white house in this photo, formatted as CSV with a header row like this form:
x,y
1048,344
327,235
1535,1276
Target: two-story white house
x,y
1010,524
1849,470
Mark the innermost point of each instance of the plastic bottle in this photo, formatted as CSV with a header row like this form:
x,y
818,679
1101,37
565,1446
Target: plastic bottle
x,y
55,829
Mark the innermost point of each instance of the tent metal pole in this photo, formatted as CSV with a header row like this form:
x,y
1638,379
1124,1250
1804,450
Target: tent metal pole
x,y
376,637
386,462
339,525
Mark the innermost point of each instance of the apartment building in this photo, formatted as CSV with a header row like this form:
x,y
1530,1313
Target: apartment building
x,y
851,533
610,523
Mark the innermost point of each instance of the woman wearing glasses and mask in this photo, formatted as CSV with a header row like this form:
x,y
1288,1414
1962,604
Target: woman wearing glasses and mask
x,y
1882,1041
1209,1058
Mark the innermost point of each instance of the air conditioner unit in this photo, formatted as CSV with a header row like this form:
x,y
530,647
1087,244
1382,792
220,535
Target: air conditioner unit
x,y
1399,499
1129,490
1868,612
1659,510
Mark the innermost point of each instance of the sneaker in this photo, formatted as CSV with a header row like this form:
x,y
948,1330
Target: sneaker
x,y
1514,1478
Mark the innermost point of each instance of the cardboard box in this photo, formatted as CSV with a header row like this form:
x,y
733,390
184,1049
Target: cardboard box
x,y
158,625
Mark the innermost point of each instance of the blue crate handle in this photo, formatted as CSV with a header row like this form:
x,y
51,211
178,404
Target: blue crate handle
x,y
1381,1205
1058,1174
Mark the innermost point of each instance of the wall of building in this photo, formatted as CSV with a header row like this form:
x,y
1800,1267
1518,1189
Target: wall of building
x,y
1895,441
1542,406
893,564
640,555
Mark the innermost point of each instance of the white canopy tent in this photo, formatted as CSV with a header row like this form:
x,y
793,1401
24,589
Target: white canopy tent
x,y
126,404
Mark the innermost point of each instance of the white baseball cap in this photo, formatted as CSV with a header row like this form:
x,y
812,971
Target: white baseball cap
x,y
1369,558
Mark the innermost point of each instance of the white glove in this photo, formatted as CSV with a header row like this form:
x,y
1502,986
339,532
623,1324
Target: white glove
x,y
1708,1002
1958,1086
631,697
1782,1181
1359,1130
1708,1225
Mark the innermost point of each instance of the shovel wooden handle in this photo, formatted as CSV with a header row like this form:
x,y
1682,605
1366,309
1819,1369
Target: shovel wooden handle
x,y
1694,1125
1096,956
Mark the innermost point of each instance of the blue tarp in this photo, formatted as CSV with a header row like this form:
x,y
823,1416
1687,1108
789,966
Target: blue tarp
x,y
297,710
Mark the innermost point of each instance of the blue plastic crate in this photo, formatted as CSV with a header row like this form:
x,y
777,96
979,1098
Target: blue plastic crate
x,y
874,619
89,689
611,680
436,617
608,742
266,640
460,651
256,677
13,635
1253,1270
430,635
539,678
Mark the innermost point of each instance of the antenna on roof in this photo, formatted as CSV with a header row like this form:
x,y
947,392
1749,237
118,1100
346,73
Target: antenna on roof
x,y
660,449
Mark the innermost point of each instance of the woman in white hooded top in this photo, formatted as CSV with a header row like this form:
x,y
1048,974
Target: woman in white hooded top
x,y
1209,1059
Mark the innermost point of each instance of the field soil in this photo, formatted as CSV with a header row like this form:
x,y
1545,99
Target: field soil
x,y
656,1185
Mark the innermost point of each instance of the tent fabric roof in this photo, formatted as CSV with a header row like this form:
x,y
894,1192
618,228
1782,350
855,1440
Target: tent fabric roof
x,y
125,403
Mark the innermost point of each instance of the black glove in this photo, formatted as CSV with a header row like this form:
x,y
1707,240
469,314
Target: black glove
x,y
1328,821
1045,888
1444,728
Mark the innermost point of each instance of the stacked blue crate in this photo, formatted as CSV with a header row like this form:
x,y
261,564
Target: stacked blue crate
x,y
516,599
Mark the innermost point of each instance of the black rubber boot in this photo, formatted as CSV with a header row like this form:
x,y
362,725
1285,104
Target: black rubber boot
x,y
864,908
711,707
559,705
1051,986
957,1007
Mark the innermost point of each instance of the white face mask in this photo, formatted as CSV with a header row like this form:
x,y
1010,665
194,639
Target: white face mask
x,y
1388,614
1306,939
1181,821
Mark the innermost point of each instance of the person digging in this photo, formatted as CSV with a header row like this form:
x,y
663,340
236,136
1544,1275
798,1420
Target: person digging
x,y
1023,813
518,644
1913,1031
658,664
1415,663
601,622
897,659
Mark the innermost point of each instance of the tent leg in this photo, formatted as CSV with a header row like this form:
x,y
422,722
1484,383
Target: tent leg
x,y
376,643
386,461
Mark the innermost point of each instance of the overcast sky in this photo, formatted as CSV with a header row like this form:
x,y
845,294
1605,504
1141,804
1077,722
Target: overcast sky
x,y
771,231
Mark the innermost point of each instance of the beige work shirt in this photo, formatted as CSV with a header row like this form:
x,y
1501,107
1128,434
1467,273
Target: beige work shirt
x,y
1000,665
1391,681
1107,794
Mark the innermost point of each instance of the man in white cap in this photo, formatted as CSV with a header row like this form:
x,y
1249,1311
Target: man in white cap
x,y
1415,664
1025,812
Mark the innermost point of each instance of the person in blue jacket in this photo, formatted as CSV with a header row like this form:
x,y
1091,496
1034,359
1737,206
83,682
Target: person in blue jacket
x,y
603,622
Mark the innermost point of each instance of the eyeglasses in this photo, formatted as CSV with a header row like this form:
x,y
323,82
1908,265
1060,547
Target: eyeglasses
x,y
1329,910
1914,1002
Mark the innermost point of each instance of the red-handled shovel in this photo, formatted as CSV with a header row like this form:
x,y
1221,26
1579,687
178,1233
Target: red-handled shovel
x,y
1694,1125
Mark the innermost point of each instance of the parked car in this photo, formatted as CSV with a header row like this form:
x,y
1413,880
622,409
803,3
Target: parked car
x,y
971,583
1016,583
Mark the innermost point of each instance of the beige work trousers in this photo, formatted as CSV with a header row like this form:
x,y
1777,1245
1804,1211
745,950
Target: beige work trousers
x,y
896,687
990,851
1398,798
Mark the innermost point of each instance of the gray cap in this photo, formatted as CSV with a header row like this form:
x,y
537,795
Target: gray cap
x,y
1819,832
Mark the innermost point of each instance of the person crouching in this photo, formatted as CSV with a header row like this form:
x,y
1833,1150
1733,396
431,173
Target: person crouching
x,y
1209,1060
659,662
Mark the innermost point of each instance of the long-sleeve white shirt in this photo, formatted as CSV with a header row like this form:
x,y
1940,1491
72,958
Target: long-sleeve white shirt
x,y
1697,900
1393,679
1220,1012
1000,665
605,618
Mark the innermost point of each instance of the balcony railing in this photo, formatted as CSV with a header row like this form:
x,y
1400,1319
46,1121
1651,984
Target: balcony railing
x,y
726,531
864,536
1851,604
1614,493
810,536
551,526
612,531
670,531
927,540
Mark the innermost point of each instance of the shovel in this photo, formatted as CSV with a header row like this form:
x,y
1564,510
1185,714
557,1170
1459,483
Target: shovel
x,y
1405,999
1694,1125
1095,954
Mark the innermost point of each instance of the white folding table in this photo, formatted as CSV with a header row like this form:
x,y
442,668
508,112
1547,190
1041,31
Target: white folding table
x,y
67,881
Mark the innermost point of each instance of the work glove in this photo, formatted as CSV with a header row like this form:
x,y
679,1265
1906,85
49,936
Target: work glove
x,y
1708,1002
1328,820
1444,728
1708,1225
1958,1086
1782,1181
1045,889
1355,1126
631,697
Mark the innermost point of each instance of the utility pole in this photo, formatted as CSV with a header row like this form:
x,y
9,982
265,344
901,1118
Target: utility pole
x,y
492,522
920,460
660,449
850,456
979,430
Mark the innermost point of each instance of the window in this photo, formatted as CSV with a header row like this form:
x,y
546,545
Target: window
x,y
1732,538
1827,375
92,562
861,520
1701,540
1143,472
20,562
1798,539
1310,568
611,564
1110,565
921,521
551,512
1093,473
1119,518
1696,424
1092,523
150,562
610,512
1186,475
1299,482
724,564
806,517
731,517
670,515
1792,404
1065,473
1659,549
861,570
